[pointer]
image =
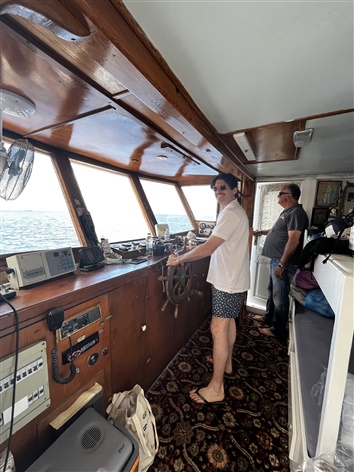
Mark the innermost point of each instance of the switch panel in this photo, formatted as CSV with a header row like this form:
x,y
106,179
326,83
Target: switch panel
x,y
32,387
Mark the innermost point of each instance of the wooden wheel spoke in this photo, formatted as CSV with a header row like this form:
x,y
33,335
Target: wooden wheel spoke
x,y
175,287
178,283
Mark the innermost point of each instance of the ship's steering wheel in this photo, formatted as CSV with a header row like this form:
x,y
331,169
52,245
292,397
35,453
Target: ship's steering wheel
x,y
177,282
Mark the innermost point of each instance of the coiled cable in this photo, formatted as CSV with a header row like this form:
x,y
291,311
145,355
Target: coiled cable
x,y
55,365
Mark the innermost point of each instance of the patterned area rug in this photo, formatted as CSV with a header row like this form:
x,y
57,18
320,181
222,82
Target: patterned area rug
x,y
249,432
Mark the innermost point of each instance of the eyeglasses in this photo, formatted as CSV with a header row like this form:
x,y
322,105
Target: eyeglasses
x,y
283,193
222,187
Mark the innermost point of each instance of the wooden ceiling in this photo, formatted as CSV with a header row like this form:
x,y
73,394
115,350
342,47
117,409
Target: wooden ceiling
x,y
101,90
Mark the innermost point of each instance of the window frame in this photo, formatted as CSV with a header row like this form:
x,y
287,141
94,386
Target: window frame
x,y
72,192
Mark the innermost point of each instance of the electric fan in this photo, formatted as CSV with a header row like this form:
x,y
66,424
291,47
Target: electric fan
x,y
17,169
15,164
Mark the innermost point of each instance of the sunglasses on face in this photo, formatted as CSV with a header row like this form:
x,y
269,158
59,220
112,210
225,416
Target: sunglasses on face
x,y
283,193
222,187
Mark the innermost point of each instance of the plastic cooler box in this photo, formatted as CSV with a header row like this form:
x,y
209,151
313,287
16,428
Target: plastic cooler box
x,y
90,444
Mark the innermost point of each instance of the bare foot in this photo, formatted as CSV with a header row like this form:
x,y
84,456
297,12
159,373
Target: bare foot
x,y
205,395
266,332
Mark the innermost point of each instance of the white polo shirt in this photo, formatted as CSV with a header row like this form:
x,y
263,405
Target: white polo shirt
x,y
229,269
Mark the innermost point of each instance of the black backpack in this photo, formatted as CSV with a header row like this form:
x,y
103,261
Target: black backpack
x,y
322,246
327,245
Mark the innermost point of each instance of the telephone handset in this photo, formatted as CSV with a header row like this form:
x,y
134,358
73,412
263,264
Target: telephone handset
x,y
89,227
55,320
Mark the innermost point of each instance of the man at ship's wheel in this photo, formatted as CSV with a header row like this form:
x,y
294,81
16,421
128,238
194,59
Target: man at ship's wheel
x,y
229,275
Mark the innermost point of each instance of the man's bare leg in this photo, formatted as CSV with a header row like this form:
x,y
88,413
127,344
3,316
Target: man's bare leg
x,y
231,335
231,340
220,327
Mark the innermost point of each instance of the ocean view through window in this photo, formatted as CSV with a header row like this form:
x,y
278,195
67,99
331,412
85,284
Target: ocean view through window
x,y
39,218
166,205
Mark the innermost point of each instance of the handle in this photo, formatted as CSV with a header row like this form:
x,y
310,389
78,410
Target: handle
x,y
173,248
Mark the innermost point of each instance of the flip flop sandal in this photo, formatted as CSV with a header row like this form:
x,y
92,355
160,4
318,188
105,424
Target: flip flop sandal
x,y
205,402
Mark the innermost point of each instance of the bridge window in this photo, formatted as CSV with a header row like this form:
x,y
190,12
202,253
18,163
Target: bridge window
x,y
166,205
110,198
39,217
202,201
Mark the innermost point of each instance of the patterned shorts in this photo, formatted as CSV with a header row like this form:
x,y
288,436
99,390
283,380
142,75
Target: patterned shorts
x,y
226,305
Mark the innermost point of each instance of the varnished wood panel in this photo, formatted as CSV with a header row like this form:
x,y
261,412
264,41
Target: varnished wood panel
x,y
270,143
193,312
113,64
67,292
39,331
128,336
205,153
160,325
118,139
28,443
86,371
139,337
81,79
275,142
168,333
248,191
58,94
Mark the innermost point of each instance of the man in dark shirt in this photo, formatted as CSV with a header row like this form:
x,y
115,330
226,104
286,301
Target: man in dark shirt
x,y
283,246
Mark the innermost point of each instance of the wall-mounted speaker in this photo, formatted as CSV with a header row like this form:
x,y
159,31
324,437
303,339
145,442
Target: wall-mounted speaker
x,y
303,138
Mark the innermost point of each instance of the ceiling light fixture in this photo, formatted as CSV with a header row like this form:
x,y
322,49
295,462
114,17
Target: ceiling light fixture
x,y
162,157
173,152
302,138
245,146
16,105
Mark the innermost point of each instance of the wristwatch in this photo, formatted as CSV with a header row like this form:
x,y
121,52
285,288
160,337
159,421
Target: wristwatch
x,y
281,265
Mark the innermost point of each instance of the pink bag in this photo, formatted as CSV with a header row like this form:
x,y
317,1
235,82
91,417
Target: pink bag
x,y
305,279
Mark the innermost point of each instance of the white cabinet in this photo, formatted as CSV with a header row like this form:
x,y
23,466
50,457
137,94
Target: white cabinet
x,y
318,343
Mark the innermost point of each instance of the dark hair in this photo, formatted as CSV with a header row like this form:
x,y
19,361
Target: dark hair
x,y
295,190
230,179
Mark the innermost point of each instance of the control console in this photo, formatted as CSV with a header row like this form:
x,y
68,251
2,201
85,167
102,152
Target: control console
x,y
35,267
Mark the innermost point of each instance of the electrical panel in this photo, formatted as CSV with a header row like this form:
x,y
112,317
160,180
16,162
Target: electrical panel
x,y
32,387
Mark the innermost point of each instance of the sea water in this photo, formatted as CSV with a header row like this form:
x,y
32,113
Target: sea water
x,y
23,231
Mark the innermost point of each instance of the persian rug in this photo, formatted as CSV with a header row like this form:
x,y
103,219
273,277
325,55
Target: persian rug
x,y
247,433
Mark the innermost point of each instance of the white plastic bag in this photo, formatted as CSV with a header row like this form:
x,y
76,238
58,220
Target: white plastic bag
x,y
133,411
